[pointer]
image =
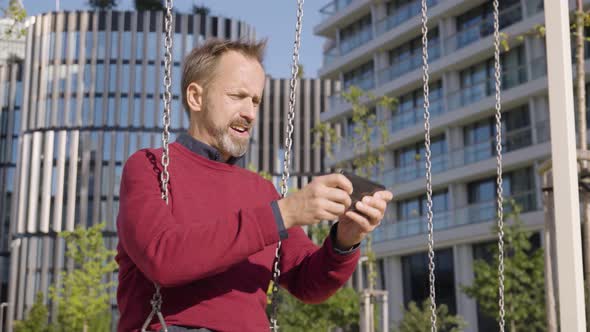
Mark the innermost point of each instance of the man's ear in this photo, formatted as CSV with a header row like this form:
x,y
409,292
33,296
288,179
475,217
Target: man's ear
x,y
194,97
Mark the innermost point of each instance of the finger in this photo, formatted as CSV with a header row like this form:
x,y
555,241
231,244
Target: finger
x,y
360,220
378,203
384,194
333,208
336,181
326,215
373,214
338,195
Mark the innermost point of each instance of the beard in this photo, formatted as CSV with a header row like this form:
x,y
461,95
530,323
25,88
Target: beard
x,y
227,143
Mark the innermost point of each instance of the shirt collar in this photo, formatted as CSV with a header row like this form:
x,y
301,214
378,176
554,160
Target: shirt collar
x,y
203,149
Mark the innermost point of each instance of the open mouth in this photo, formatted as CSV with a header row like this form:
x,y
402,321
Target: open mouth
x,y
240,129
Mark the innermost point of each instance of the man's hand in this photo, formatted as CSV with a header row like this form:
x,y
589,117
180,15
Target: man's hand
x,y
325,198
353,227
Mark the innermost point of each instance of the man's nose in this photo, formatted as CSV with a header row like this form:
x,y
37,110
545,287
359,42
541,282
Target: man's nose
x,y
249,112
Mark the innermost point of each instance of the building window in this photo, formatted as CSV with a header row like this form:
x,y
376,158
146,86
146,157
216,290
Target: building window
x,y
408,56
518,185
356,34
416,281
416,207
412,156
480,138
410,107
478,81
361,77
479,21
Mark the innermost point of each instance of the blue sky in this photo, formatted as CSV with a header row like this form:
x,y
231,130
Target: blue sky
x,y
274,19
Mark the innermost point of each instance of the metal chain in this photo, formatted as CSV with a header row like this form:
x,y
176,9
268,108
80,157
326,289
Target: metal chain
x,y
499,189
156,301
165,176
276,273
427,152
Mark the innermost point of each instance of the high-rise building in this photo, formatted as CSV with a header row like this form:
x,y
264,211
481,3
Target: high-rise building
x,y
268,142
377,46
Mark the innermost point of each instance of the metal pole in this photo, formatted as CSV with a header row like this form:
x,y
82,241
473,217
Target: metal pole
x,y
2,305
565,187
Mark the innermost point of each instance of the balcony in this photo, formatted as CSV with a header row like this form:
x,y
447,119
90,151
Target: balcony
x,y
471,214
508,16
534,6
365,82
330,55
511,77
511,141
333,7
405,119
401,15
414,171
357,40
407,65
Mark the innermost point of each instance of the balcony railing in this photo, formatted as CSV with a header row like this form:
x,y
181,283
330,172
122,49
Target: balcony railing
x,y
512,77
462,38
404,66
414,171
470,214
358,39
405,119
486,211
331,55
333,7
401,15
513,140
534,6
470,94
365,82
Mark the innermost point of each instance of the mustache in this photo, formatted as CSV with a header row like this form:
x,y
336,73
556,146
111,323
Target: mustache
x,y
242,123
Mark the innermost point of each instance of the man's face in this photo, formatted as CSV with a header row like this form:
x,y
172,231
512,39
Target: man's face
x,y
230,103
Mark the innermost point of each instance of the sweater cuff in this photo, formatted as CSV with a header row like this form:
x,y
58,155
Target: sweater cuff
x,y
283,234
333,232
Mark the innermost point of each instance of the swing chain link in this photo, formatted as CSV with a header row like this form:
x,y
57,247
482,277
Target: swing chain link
x,y
427,152
165,176
276,273
156,301
500,202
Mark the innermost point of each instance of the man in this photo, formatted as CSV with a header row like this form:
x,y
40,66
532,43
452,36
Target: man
x,y
212,248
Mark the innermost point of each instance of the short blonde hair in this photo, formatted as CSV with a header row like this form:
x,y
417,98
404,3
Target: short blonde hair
x,y
201,62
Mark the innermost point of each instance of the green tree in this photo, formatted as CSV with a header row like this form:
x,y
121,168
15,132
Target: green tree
x,y
83,297
300,71
149,5
418,319
368,158
102,4
524,294
201,10
37,318
17,13
340,310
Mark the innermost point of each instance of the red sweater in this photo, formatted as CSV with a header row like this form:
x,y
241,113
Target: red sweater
x,y
212,248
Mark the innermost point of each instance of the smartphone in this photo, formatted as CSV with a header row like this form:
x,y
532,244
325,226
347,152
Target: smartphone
x,y
361,187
